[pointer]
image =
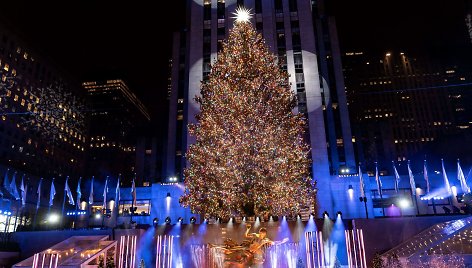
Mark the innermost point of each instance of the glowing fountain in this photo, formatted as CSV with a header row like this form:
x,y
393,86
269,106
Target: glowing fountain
x,y
330,250
297,244
339,239
146,242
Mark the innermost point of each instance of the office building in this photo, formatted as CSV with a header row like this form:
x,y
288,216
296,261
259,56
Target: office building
x,y
43,128
116,118
402,107
43,121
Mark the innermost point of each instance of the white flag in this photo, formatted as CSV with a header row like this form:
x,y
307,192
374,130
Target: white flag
x,y
117,192
23,190
105,191
397,177
361,183
412,179
69,192
133,192
446,180
52,193
39,194
377,180
91,193
79,192
461,178
13,188
6,183
426,178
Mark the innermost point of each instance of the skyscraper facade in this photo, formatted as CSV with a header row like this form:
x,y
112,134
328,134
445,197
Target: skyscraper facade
x,y
43,125
402,106
115,118
307,48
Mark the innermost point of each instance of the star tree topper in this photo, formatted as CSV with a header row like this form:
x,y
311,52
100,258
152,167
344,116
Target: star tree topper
x,y
242,14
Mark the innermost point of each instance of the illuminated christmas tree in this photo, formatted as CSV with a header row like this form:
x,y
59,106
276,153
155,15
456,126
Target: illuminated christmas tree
x,y
250,157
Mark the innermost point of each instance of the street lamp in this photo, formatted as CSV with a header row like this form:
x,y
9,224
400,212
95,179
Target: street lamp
x,y
350,191
404,203
53,218
325,214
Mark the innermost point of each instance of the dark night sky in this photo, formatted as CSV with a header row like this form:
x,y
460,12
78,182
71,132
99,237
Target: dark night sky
x,y
435,29
108,39
103,39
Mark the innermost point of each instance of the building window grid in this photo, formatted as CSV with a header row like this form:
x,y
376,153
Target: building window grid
x,y
278,6
258,6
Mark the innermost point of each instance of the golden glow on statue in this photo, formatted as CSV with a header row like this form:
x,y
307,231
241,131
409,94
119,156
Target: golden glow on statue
x,y
250,251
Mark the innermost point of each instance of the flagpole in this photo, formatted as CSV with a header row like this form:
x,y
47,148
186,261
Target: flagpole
x,y
64,203
78,203
133,187
416,202
104,207
16,216
17,208
23,200
34,220
117,200
132,203
379,185
50,192
38,203
363,197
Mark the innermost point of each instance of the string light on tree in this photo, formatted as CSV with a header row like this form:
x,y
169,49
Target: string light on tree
x,y
250,157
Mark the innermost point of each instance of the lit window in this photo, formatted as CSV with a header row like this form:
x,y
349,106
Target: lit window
x,y
6,67
142,208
